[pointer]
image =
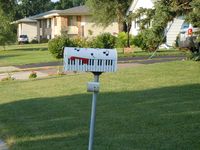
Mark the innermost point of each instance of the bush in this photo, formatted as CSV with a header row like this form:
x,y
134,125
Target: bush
x,y
80,42
148,40
195,56
139,41
56,45
44,40
105,40
34,41
33,75
122,40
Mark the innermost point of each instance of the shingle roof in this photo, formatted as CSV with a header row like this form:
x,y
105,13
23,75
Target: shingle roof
x,y
79,10
29,19
41,15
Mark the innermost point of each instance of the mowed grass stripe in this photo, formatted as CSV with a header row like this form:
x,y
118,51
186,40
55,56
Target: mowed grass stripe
x,y
147,107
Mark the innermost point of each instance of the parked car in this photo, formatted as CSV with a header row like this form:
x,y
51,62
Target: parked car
x,y
23,39
188,38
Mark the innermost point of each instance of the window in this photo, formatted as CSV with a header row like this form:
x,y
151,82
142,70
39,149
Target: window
x,y
82,28
48,37
55,21
185,25
72,20
23,36
48,23
40,23
45,23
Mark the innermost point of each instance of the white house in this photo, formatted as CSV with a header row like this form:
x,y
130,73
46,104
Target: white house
x,y
171,31
76,21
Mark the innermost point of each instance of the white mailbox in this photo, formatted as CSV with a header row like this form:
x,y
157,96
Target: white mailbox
x,y
95,61
90,59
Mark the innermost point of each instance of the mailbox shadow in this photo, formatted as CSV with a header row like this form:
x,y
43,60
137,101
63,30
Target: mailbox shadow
x,y
149,119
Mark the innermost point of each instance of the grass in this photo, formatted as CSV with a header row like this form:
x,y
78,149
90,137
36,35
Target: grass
x,y
38,53
162,52
25,54
147,107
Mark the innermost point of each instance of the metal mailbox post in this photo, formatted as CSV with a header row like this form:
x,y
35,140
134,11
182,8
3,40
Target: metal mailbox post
x,y
92,60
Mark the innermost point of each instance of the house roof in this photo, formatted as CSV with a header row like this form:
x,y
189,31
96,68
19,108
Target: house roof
x,y
79,10
47,14
29,19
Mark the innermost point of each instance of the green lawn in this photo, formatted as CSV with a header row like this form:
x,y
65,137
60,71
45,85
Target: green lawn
x,y
38,53
162,52
148,107
25,54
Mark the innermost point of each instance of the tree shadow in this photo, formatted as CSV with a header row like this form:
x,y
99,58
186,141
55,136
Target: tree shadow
x,y
30,49
164,118
7,56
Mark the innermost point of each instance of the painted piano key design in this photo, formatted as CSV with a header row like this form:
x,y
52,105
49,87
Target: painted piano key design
x,y
90,59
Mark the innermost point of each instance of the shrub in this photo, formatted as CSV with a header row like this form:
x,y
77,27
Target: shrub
x,y
90,32
44,40
56,45
147,40
104,40
139,41
195,56
122,40
34,41
33,75
80,42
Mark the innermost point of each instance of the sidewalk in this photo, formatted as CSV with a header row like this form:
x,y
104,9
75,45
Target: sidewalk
x,y
22,72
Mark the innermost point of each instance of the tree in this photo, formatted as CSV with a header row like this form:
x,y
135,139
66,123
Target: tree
x,y
106,12
6,30
9,8
194,17
65,4
33,7
164,11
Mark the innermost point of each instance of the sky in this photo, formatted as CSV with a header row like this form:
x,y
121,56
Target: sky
x,y
54,0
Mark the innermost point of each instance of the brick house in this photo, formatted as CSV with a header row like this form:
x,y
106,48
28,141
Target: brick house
x,y
76,21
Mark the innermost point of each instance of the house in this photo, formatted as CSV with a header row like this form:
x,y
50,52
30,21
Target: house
x,y
27,26
76,21
172,29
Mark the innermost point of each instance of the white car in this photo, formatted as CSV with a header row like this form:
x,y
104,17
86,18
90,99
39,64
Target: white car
x,y
23,39
188,38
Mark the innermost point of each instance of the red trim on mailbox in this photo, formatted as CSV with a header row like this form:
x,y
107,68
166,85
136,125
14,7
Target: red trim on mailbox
x,y
85,60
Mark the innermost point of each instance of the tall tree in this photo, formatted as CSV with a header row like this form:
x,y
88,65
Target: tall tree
x,y
164,11
6,30
65,4
33,7
9,8
106,12
194,16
